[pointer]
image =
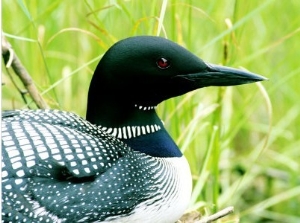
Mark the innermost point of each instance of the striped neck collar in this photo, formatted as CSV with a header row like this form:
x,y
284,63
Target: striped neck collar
x,y
129,122
145,108
143,132
128,132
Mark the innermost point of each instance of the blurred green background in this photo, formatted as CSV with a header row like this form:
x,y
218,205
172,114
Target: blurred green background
x,y
242,143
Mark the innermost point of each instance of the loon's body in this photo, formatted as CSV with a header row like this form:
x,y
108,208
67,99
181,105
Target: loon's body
x,y
76,170
120,164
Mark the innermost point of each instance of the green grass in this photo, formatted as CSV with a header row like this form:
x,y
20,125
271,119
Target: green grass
x,y
242,142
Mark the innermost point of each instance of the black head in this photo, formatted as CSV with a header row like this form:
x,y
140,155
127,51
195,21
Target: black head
x,y
147,70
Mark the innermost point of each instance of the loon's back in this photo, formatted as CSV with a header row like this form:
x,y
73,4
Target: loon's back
x,y
63,168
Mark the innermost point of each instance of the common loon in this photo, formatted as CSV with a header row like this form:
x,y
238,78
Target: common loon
x,y
120,164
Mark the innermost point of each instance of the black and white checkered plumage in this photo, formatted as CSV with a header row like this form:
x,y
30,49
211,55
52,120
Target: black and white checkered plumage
x,y
120,165
76,170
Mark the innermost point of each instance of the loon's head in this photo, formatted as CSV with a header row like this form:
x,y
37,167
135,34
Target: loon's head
x,y
143,71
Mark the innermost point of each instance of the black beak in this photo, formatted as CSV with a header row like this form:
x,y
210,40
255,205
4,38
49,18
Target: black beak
x,y
227,76
215,75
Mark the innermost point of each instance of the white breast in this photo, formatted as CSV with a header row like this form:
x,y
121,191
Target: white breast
x,y
173,198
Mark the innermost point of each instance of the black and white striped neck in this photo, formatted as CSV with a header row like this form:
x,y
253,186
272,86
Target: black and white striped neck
x,y
135,128
130,131
139,127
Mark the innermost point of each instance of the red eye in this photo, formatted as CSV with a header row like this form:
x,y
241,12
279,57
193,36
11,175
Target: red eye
x,y
163,63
